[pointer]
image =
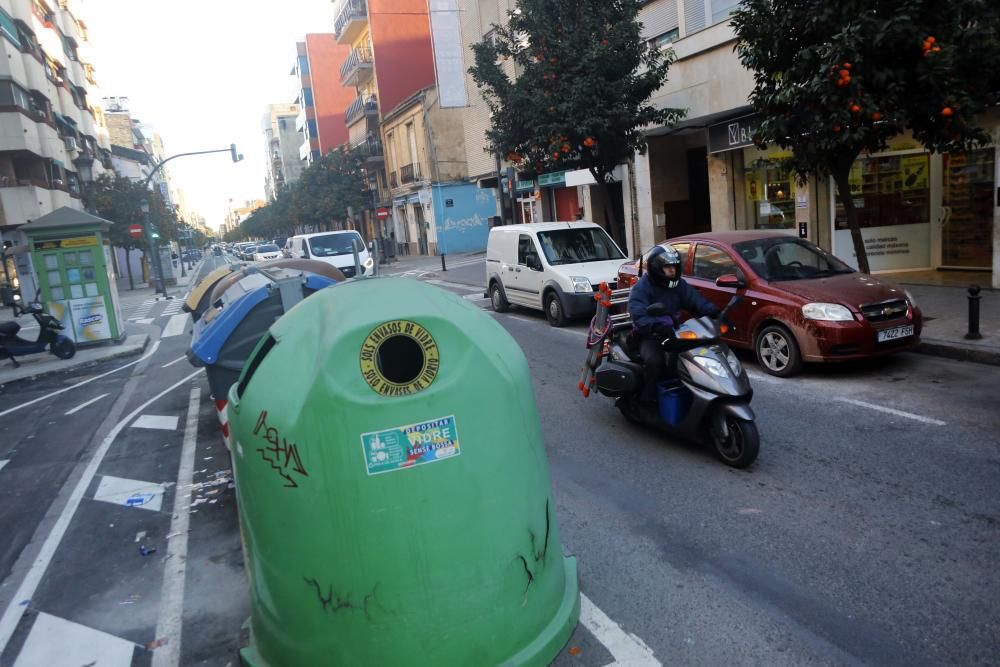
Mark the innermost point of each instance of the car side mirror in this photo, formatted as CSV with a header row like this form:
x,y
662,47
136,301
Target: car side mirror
x,y
729,280
656,310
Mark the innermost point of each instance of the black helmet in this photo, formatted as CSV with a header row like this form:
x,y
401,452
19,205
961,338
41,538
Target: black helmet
x,y
660,258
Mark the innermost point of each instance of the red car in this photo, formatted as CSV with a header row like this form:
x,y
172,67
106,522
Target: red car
x,y
800,303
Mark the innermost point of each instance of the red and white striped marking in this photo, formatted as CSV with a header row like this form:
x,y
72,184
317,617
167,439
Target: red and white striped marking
x,y
223,414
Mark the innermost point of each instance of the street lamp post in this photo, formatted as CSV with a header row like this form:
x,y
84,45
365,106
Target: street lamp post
x,y
85,171
145,207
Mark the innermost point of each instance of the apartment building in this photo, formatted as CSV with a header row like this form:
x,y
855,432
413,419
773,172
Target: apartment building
x,y
281,146
49,125
390,60
322,98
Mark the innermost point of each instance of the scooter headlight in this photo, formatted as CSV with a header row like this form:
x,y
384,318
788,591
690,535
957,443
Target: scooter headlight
x,y
713,366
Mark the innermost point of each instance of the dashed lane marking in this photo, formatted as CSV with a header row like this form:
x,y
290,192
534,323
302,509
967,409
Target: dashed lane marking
x,y
83,405
3,462
57,642
891,411
131,493
175,326
162,422
171,363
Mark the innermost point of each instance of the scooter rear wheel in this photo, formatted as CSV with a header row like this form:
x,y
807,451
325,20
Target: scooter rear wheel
x,y
741,445
64,348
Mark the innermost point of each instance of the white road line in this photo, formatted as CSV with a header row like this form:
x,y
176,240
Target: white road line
x,y
12,615
162,422
151,352
175,326
170,619
82,406
3,462
171,363
56,641
626,648
445,283
891,411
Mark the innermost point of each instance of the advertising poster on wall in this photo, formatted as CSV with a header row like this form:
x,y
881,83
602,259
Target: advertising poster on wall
x,y
90,320
889,248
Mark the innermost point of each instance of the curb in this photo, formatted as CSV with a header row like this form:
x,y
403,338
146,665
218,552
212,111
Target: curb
x,y
950,351
119,354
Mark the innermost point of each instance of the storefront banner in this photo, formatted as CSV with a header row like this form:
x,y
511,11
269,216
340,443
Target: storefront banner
x,y
90,320
736,133
76,242
889,248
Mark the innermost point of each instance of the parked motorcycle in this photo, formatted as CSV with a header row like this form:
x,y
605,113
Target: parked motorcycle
x,y
12,345
708,399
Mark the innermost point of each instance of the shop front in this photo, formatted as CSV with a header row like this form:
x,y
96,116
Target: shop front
x,y
559,203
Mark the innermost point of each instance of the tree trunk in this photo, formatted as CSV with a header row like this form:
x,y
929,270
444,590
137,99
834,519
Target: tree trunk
x,y
842,178
128,266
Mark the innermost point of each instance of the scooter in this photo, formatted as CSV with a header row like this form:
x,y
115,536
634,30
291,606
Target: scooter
x,y
708,399
12,345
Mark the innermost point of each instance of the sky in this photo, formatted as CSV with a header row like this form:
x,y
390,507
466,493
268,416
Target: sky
x,y
201,73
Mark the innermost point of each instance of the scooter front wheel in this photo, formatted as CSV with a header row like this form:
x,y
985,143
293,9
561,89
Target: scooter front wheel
x,y
741,444
63,348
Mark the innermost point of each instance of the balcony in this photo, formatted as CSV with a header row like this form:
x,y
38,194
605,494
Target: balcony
x,y
351,19
393,180
369,149
360,108
409,173
357,68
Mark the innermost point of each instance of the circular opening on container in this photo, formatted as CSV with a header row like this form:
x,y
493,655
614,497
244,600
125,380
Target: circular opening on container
x,y
400,359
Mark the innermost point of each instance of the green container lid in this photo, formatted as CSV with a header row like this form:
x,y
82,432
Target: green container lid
x,y
393,487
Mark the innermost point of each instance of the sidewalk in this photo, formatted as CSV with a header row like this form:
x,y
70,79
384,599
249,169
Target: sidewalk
x,y
137,336
428,263
943,298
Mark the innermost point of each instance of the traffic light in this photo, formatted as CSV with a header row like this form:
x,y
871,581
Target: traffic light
x,y
232,152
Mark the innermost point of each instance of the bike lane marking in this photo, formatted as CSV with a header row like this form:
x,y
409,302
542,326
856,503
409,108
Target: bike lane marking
x,y
83,405
151,352
12,615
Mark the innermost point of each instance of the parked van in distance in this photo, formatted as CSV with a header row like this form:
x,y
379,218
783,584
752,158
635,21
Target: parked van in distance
x,y
336,248
554,267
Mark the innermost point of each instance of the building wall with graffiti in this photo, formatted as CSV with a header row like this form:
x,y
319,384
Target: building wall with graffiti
x,y
462,215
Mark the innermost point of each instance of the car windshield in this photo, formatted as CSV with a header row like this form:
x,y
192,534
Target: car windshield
x,y
267,248
789,259
572,246
330,245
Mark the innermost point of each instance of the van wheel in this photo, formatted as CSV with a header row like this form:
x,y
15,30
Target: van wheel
x,y
777,351
554,310
497,299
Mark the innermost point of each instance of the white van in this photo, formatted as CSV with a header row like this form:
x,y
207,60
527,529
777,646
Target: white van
x,y
550,266
336,248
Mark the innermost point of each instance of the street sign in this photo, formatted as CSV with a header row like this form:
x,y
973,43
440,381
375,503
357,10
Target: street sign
x,y
135,231
382,213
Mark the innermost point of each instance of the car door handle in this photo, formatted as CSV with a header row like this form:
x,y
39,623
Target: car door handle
x,y
517,270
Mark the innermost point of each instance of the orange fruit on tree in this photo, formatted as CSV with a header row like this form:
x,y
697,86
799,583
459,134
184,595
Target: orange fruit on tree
x,y
931,39
847,66
845,74
836,128
876,116
855,108
947,112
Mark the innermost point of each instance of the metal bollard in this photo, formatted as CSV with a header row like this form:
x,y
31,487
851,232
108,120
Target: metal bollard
x,y
974,298
443,267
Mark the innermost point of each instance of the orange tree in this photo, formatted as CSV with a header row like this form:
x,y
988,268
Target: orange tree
x,y
568,84
838,79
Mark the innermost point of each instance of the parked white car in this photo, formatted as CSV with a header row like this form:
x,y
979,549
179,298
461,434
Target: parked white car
x,y
554,267
266,252
336,248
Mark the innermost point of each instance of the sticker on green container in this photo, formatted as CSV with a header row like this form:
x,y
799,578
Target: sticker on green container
x,y
411,445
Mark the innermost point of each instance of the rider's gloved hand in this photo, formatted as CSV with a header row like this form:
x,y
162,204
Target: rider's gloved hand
x,y
663,331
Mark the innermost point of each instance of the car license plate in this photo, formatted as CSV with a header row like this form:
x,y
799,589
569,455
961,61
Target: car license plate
x,y
895,332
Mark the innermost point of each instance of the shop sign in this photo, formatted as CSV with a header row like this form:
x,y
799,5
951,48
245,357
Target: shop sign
x,y
76,242
733,134
553,180
525,186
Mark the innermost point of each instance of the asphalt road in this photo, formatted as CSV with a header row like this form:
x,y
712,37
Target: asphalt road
x,y
860,536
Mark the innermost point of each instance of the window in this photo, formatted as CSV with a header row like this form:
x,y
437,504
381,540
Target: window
x,y
13,95
665,40
525,249
307,97
711,262
721,9
330,245
789,258
411,138
313,130
303,66
574,246
8,29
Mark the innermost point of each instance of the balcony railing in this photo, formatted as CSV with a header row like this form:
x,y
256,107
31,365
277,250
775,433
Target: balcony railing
x,y
359,107
351,13
369,148
358,62
409,173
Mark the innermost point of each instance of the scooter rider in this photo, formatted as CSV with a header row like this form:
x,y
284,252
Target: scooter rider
x,y
663,284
